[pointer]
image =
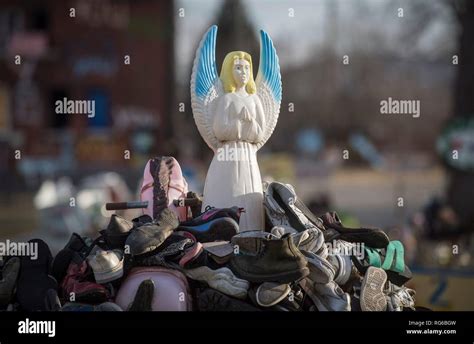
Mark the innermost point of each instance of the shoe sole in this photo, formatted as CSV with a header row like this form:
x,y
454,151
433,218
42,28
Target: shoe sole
x,y
372,297
161,172
219,229
284,277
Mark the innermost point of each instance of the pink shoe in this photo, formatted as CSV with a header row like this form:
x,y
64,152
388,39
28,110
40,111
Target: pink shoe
x,y
163,182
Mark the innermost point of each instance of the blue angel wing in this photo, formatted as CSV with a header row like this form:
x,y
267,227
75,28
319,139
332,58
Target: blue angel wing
x,y
206,86
268,84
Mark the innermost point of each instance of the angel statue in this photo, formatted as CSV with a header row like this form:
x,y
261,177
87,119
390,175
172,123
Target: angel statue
x,y
235,115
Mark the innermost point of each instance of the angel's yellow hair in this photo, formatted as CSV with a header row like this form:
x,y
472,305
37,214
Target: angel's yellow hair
x,y
226,72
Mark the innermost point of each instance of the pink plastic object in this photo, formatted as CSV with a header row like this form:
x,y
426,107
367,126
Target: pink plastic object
x,y
178,188
171,289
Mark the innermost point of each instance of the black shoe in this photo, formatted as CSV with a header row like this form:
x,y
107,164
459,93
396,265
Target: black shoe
x,y
117,232
218,229
34,281
52,303
264,258
168,254
9,276
76,248
150,236
144,297
210,300
372,237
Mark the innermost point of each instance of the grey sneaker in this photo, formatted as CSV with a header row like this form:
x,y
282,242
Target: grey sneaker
x,y
372,297
269,294
320,270
311,240
342,262
283,207
327,297
399,298
107,265
222,279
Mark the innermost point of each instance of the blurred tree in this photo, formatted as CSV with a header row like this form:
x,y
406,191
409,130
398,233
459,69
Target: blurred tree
x,y
235,33
461,184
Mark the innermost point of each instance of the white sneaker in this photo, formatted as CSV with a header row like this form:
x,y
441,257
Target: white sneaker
x,y
106,265
327,297
222,279
399,298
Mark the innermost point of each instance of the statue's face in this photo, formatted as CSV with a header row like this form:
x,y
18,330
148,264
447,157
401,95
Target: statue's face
x,y
241,72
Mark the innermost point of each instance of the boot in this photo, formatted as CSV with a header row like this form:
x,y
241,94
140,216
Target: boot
x,y
148,237
264,258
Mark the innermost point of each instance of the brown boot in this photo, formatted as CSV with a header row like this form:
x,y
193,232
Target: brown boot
x,y
263,258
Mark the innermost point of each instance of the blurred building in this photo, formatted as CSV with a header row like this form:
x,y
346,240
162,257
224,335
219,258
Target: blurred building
x,y
117,53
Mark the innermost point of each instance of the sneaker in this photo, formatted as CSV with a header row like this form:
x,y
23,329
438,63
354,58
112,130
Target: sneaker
x,y
150,236
391,259
327,297
107,265
191,255
320,270
311,240
34,279
372,297
77,247
163,182
223,228
283,207
343,268
220,252
400,298
210,300
77,287
215,213
269,294
170,253
372,237
264,258
117,232
222,279
342,263
9,275
143,300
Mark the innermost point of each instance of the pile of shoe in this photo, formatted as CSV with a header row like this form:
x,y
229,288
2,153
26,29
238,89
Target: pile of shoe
x,y
174,258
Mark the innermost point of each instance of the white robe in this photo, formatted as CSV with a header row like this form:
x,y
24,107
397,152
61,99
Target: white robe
x,y
233,178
